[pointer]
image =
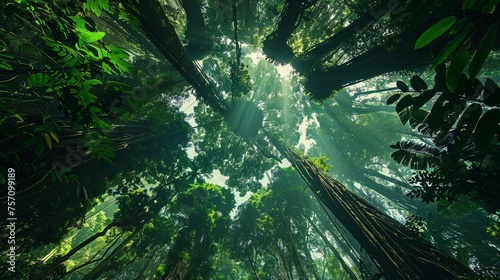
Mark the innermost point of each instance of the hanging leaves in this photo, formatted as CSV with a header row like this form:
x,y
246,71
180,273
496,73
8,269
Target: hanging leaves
x,y
485,47
423,98
417,156
405,102
393,99
402,86
486,129
491,94
455,70
418,84
433,32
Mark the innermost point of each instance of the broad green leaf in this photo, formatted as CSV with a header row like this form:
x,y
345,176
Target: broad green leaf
x,y
102,124
88,83
79,23
40,146
48,140
393,99
489,7
31,142
54,135
485,47
452,46
486,129
89,37
433,32
467,4
457,65
458,208
85,194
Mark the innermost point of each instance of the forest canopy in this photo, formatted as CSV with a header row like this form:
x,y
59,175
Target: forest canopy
x,y
247,139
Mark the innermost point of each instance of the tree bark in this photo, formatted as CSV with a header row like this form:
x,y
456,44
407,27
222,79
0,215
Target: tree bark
x,y
161,32
398,253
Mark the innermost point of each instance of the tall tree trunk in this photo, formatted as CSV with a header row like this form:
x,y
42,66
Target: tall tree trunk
x,y
196,33
318,52
161,32
398,253
396,55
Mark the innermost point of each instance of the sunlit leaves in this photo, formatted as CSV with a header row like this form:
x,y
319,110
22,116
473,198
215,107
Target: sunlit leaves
x,y
89,37
97,6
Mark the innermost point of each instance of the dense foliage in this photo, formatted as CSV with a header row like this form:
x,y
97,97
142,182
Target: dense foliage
x,y
250,139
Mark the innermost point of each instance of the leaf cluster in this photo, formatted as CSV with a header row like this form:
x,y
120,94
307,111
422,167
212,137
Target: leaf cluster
x,y
461,159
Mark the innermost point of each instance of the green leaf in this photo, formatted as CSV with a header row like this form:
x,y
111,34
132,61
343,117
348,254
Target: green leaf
x,y
40,146
485,47
418,84
86,97
402,86
486,129
457,65
31,142
41,127
436,30
38,80
102,124
452,46
97,6
54,135
393,99
461,207
89,37
467,4
490,7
